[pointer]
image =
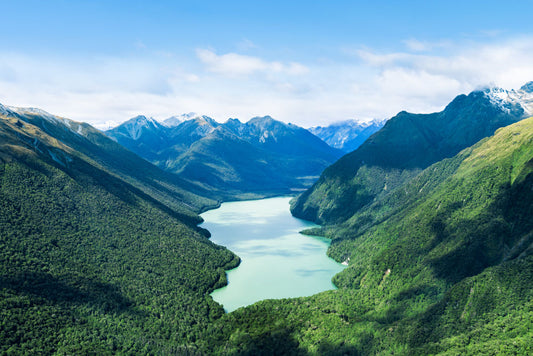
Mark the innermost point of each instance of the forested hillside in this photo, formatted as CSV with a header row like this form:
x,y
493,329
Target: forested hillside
x,y
407,144
93,261
443,266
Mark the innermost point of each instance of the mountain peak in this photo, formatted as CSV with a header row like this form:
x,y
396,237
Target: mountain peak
x,y
4,110
233,121
266,118
265,122
205,119
347,135
512,100
142,118
135,126
33,111
172,121
176,120
528,87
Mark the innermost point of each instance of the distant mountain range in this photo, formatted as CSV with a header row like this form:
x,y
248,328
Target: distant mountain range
x,y
347,135
261,157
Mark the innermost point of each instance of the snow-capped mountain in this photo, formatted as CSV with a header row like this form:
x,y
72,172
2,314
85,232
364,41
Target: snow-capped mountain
x,y
176,120
347,135
78,128
260,157
12,110
172,121
137,126
4,110
512,100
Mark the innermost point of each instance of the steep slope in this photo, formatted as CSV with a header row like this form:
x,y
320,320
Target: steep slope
x,y
406,144
92,260
237,160
140,134
445,267
347,135
114,159
261,157
160,143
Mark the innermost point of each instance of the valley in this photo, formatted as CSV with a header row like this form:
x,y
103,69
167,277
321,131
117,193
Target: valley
x,y
104,252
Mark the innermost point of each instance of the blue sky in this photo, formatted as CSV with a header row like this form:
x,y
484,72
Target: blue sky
x,y
306,62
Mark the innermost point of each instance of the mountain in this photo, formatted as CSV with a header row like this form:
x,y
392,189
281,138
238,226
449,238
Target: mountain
x,y
347,135
178,119
407,144
131,132
100,253
510,99
114,159
233,160
441,265
100,250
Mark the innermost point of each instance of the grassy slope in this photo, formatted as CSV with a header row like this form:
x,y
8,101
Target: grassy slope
x,y
90,263
445,266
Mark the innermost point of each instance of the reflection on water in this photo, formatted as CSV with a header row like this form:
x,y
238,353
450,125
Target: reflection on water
x,y
277,261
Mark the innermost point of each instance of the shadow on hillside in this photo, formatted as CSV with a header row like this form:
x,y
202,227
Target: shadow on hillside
x,y
282,342
74,290
489,238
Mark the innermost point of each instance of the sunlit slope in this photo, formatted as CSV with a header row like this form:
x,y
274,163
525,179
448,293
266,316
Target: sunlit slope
x,y
407,144
90,145
445,265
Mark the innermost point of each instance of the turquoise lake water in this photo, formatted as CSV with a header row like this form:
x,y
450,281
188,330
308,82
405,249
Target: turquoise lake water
x,y
276,261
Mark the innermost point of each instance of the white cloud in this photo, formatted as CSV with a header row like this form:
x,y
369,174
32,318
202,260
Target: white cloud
x,y
415,45
507,64
374,84
233,64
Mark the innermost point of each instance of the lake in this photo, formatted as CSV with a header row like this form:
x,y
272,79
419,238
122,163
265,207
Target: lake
x,y
276,261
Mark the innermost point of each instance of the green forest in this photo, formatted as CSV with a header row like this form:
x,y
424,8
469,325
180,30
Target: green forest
x,y
97,261
443,265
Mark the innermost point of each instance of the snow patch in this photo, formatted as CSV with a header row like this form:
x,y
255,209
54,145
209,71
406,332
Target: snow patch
x,y
176,120
509,100
4,110
36,112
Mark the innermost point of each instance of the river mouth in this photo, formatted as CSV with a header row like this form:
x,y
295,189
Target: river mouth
x,y
276,260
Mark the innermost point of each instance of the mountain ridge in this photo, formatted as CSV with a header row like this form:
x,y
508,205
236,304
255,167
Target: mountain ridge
x,y
104,153
407,144
442,265
98,245
347,135
262,157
